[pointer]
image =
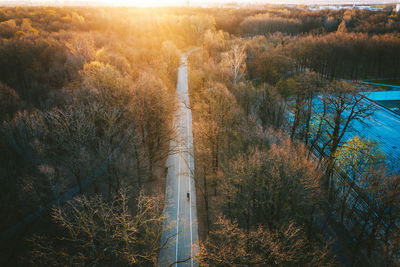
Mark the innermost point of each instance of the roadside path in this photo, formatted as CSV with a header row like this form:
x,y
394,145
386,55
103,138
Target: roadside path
x,y
381,84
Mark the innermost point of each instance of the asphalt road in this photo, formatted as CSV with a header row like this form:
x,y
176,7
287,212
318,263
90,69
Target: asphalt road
x,y
180,211
383,126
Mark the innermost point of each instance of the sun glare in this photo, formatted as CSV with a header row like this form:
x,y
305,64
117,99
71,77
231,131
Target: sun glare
x,y
147,3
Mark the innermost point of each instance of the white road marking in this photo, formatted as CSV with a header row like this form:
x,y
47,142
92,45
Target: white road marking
x,y
184,121
177,212
190,189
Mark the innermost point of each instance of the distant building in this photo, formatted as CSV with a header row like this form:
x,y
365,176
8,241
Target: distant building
x,y
338,7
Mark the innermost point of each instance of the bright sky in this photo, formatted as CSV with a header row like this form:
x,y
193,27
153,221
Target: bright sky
x,y
147,2
182,2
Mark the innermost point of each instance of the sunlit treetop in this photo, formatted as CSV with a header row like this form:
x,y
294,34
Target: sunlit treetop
x,y
153,3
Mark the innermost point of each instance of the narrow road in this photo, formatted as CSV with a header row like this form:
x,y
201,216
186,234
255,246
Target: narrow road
x,y
180,210
381,84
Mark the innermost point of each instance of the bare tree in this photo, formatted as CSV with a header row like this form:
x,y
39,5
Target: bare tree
x,y
236,62
95,232
215,107
358,158
229,245
152,106
272,187
344,106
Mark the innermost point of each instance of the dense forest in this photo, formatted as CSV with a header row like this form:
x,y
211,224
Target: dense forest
x,y
87,100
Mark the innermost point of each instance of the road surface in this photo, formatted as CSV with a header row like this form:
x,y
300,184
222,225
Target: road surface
x,y
382,84
383,126
180,211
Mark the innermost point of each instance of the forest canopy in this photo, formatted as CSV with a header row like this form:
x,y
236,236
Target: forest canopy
x,y
87,104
